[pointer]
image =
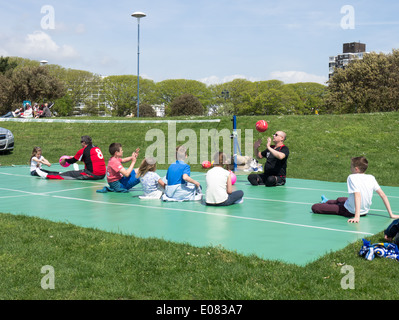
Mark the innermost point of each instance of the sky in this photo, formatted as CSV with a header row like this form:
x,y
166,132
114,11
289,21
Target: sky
x,y
212,41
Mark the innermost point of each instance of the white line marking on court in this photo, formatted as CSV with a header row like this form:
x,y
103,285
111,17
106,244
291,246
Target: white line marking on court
x,y
26,192
7,197
95,183
324,190
275,200
73,189
304,203
107,121
343,192
216,214
15,175
203,174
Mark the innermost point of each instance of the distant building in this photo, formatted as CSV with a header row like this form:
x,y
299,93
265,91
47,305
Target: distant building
x,y
159,109
350,51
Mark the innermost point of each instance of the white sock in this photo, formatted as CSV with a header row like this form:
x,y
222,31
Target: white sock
x,y
41,173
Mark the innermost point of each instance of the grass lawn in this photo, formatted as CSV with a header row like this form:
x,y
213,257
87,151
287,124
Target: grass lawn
x,y
92,264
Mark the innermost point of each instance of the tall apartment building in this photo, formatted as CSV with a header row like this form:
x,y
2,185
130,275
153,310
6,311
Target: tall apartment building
x,y
350,51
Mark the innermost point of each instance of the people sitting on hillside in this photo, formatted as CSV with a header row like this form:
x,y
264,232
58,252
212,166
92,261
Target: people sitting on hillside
x,y
44,111
28,113
35,109
14,114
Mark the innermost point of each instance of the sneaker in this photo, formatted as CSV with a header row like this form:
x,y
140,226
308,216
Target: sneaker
x,y
323,199
198,197
239,201
41,174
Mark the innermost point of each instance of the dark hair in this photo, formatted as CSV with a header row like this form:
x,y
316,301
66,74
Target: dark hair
x,y
224,161
361,163
114,147
86,139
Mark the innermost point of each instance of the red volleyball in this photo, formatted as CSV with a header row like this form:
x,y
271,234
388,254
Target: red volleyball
x,y
261,126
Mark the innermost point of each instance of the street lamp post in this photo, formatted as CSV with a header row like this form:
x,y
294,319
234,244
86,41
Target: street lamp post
x,y
138,15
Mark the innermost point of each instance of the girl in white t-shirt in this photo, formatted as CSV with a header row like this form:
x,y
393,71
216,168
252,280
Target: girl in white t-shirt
x,y
36,161
151,182
219,189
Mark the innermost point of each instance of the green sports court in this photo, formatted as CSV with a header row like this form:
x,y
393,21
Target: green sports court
x,y
272,223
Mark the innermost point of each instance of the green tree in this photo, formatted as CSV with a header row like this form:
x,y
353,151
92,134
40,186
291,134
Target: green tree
x,y
28,83
168,90
64,106
120,92
146,110
275,100
186,105
366,85
6,65
6,97
82,85
238,100
311,94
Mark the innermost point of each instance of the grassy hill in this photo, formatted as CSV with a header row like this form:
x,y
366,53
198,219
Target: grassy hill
x,y
97,265
320,146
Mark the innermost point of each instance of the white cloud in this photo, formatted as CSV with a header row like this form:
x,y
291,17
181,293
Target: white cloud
x,y
39,45
3,53
80,28
285,76
297,76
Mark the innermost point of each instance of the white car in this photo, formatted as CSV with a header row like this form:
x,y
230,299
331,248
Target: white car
x,y
6,140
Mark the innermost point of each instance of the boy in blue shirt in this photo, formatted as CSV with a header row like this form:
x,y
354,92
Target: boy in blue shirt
x,y
180,186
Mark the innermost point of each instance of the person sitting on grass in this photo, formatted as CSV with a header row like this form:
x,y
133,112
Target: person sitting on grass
x,y
360,189
119,178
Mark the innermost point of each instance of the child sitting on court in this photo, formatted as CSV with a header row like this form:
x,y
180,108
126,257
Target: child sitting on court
x,y
219,188
180,186
119,178
151,182
360,189
36,161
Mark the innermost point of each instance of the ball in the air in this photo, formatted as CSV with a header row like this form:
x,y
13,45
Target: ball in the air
x,y
261,126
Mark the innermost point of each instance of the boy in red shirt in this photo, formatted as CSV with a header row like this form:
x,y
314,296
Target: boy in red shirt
x,y
119,178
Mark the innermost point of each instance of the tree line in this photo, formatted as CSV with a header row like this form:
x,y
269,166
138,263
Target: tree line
x,y
367,85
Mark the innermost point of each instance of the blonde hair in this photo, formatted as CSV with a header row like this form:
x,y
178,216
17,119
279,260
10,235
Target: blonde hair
x,y
148,164
181,153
